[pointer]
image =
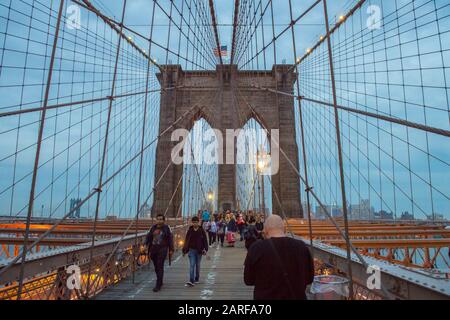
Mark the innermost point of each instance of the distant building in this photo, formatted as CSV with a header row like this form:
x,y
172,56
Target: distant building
x,y
305,209
73,204
362,211
337,212
145,212
406,216
437,217
334,210
320,213
384,215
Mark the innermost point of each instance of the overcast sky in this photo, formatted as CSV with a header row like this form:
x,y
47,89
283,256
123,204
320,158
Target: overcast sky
x,y
408,159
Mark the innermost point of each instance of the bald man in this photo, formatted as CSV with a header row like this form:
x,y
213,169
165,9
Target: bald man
x,y
279,267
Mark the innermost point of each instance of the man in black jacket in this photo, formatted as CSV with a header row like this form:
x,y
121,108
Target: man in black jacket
x,y
279,267
195,245
159,241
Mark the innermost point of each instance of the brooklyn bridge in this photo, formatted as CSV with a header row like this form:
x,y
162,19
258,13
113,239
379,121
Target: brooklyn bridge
x,y
334,115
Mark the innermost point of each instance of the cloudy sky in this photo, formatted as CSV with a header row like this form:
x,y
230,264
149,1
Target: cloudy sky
x,y
400,69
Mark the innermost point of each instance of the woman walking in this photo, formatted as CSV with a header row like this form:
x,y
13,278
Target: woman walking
x,y
231,229
241,224
221,229
212,232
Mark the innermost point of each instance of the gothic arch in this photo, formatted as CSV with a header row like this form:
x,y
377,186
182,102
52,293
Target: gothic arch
x,y
216,100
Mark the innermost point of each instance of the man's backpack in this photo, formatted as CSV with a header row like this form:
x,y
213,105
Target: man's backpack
x,y
250,233
250,236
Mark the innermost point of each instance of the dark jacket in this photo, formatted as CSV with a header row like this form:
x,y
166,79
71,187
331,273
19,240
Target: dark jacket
x,y
232,226
221,227
200,245
250,235
166,241
274,279
259,226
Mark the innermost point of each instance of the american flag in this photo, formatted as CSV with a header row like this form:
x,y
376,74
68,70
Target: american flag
x,y
223,51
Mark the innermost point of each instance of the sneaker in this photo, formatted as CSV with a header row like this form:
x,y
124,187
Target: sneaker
x,y
189,284
196,281
156,289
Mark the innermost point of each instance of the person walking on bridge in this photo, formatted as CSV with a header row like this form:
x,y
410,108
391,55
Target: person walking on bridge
x,y
205,216
195,245
212,232
241,225
159,242
231,230
259,226
221,230
279,267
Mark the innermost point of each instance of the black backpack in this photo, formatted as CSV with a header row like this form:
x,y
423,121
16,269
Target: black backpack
x,y
250,235
251,232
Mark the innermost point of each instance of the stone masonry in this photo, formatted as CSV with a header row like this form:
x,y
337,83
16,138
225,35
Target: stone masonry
x,y
222,97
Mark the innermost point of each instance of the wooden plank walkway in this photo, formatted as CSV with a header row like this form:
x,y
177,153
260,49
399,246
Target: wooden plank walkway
x,y
221,278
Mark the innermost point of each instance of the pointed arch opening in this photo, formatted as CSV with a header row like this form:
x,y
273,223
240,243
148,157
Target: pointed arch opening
x,y
200,169
253,187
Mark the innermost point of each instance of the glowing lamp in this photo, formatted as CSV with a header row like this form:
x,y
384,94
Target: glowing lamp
x,y
261,164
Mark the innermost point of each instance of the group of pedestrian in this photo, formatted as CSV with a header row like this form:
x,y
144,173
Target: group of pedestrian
x,y
278,266
226,226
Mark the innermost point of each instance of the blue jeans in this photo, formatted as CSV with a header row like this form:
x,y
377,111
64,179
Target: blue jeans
x,y
241,228
194,265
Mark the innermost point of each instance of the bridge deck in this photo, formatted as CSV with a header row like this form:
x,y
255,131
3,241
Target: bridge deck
x,y
221,277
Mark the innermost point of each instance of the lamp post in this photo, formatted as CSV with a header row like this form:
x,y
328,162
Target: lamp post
x,y
261,166
210,197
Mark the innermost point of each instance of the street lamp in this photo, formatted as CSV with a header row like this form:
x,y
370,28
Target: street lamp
x,y
210,196
261,166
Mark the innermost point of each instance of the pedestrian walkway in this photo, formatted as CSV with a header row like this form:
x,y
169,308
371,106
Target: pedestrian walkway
x,y
221,277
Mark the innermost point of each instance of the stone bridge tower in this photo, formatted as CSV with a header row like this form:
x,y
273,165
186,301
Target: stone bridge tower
x,y
222,97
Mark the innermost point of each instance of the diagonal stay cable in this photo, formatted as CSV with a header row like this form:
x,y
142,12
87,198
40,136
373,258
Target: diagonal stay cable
x,y
89,6
105,149
93,192
124,234
214,24
137,213
235,22
309,188
378,116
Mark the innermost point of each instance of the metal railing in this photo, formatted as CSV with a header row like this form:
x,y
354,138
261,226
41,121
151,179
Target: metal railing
x,y
63,273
